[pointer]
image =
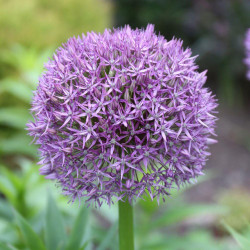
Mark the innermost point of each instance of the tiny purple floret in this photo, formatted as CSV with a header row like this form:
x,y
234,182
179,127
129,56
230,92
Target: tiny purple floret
x,y
121,115
247,59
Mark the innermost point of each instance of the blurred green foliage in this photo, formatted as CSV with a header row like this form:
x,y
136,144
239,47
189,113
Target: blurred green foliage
x,y
36,25
21,187
43,23
53,233
33,223
172,225
18,78
243,238
24,223
238,203
215,30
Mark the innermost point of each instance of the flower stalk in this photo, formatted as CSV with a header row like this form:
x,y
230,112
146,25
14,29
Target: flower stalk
x,y
126,226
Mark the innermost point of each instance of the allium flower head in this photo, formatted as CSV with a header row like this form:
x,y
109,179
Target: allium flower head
x,y
247,59
122,114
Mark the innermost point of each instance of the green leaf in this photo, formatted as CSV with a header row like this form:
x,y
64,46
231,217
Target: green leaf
x,y
32,239
108,239
177,214
5,210
83,247
19,143
243,242
13,187
16,117
7,247
54,227
7,188
12,177
78,229
17,89
193,240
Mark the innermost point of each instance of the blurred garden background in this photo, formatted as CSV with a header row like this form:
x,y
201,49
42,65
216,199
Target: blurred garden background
x,y
212,214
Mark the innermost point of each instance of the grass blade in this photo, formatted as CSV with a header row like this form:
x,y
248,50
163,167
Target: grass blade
x,y
109,237
32,239
54,228
78,230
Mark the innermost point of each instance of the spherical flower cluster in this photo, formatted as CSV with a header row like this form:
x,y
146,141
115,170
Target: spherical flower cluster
x,y
121,115
247,59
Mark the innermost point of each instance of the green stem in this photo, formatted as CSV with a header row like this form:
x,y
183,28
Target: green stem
x,y
126,226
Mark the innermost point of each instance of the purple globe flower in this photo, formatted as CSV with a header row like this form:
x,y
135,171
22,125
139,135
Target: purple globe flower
x,y
247,59
122,114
